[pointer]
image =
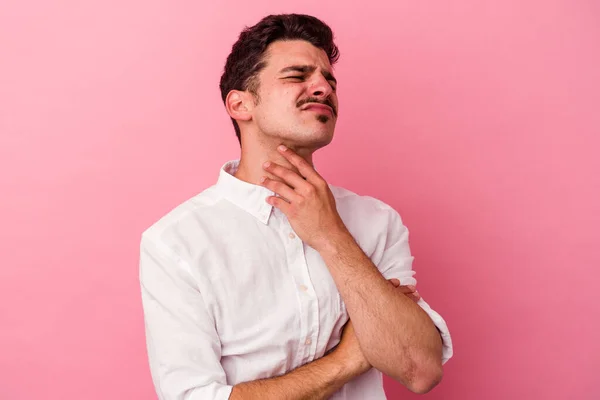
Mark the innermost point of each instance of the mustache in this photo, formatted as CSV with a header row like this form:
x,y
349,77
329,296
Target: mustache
x,y
326,102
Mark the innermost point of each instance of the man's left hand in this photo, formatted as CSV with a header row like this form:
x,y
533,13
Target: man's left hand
x,y
307,201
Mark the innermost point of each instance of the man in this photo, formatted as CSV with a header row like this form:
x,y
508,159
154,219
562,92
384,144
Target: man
x,y
273,284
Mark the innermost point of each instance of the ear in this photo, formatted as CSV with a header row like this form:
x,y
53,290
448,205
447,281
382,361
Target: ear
x,y
239,105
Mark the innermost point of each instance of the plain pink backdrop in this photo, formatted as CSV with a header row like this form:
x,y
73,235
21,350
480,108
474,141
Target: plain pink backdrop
x,y
478,121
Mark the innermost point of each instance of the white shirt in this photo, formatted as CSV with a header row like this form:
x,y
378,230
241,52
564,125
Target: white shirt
x,y
231,294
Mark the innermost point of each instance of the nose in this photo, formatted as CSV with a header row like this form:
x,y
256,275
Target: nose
x,y
320,87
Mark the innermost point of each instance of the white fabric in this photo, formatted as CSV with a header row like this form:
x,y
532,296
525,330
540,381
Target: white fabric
x,y
230,293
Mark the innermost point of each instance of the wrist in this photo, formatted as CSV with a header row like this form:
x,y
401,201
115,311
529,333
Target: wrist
x,y
334,242
348,367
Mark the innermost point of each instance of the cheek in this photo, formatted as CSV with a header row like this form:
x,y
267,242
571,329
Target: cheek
x,y
279,103
334,100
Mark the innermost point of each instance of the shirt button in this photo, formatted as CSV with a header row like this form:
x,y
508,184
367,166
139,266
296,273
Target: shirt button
x,y
292,236
303,288
308,342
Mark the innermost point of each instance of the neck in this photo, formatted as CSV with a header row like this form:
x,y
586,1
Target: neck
x,y
254,155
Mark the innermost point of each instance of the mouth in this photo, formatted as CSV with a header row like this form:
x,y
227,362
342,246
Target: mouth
x,y
320,108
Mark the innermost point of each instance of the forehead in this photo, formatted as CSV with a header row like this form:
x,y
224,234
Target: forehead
x,y
281,54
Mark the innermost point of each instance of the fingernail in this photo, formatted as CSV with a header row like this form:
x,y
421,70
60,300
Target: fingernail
x,y
282,148
267,164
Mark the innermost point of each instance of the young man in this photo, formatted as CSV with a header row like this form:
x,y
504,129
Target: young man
x,y
273,284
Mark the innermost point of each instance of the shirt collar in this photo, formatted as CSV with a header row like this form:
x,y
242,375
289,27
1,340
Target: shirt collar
x,y
249,197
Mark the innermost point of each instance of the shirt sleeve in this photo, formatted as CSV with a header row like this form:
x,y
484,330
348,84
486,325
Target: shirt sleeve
x,y
397,263
183,346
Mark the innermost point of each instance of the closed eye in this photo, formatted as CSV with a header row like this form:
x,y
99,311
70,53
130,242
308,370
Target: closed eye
x,y
333,84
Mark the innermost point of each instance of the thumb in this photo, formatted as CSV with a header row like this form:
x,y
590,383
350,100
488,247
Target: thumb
x,y
395,282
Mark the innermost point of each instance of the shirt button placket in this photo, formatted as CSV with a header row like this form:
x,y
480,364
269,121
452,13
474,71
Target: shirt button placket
x,y
312,306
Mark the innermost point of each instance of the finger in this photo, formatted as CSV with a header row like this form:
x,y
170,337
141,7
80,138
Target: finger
x,y
305,169
290,177
412,293
414,296
407,289
280,203
395,282
280,188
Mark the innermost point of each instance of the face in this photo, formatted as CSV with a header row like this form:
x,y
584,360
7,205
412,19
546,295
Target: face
x,y
298,103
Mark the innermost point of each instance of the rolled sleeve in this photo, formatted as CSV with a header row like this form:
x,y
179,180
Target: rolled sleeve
x,y
397,263
183,346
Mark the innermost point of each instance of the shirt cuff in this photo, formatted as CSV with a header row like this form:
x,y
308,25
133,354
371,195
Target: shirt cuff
x,y
439,322
213,390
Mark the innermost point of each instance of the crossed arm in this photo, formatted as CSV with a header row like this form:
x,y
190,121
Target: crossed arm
x,y
313,381
396,335
172,304
321,378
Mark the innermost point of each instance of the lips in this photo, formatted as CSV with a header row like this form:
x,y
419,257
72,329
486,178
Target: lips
x,y
319,108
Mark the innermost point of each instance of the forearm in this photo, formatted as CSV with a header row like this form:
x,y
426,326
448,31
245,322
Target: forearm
x,y
313,381
397,337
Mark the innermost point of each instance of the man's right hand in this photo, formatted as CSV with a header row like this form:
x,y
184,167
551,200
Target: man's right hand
x,y
349,352
408,290
348,349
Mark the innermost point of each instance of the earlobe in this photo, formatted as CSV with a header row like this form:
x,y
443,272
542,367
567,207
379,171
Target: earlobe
x,y
238,106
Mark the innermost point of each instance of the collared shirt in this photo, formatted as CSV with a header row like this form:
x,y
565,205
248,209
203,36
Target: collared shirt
x,y
231,294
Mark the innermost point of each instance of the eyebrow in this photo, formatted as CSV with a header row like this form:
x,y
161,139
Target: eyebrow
x,y
305,69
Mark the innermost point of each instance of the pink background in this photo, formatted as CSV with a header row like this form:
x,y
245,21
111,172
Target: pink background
x,y
478,120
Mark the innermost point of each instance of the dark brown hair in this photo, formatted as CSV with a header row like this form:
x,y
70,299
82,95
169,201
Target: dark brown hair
x,y
246,59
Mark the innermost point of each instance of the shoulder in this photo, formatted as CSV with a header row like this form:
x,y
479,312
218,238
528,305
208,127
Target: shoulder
x,y
186,227
364,206
372,222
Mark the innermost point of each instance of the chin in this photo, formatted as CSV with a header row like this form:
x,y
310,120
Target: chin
x,y
319,138
315,134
